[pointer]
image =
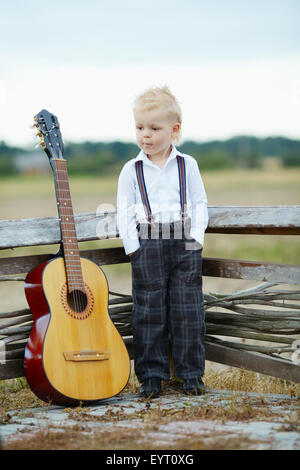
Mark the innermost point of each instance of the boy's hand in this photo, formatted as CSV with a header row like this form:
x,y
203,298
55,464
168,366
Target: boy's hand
x,y
129,254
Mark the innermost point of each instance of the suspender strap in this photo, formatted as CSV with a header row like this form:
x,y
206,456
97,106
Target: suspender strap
x,y
182,183
143,191
141,182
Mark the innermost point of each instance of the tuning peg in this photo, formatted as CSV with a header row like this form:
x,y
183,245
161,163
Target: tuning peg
x,y
41,138
40,144
37,135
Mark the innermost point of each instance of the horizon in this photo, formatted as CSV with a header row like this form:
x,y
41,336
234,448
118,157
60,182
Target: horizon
x,y
35,146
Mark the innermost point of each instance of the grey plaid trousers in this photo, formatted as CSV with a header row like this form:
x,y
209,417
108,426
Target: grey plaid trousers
x,y
167,304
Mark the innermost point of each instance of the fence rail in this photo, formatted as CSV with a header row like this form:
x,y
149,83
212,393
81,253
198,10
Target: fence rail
x,y
267,314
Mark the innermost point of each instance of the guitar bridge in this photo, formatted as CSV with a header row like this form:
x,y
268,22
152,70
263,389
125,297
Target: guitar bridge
x,y
80,356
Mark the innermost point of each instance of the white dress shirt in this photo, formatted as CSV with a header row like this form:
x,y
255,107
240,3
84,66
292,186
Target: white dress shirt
x,y
162,185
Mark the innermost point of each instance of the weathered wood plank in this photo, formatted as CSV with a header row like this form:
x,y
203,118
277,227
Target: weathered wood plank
x,y
12,369
257,362
214,267
251,270
92,226
46,231
255,220
23,264
214,352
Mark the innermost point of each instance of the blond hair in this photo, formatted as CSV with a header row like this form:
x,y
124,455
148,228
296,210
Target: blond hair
x,y
159,97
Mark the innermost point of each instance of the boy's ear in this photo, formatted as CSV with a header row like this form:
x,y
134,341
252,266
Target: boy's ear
x,y
175,130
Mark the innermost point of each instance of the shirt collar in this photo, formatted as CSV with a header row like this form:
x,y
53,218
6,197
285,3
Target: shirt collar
x,y
142,156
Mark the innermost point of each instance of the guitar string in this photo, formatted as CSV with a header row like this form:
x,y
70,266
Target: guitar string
x,y
78,298
75,295
76,301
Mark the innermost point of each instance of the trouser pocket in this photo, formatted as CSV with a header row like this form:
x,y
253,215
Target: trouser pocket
x,y
147,266
189,266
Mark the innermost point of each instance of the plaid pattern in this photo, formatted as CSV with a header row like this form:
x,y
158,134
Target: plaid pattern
x,y
167,304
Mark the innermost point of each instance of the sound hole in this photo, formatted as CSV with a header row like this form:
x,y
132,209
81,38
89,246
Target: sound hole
x,y
77,300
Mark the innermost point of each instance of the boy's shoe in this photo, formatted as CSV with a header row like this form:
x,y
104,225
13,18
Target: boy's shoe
x,y
193,386
151,387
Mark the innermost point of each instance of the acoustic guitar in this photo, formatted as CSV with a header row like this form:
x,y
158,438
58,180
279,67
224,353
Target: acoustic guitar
x,y
74,353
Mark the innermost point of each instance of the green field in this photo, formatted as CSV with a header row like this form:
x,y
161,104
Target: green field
x,y
33,196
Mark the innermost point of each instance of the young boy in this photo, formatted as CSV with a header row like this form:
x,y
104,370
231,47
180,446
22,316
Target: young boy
x,y
162,217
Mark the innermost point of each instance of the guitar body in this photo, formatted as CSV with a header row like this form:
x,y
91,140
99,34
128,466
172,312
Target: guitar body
x,y
74,353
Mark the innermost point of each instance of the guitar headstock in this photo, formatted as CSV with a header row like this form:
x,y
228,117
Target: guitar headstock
x,y
49,134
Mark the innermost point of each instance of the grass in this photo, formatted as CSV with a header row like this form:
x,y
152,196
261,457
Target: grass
x,y
15,393
227,187
152,420
17,401
232,378
125,438
272,249
80,435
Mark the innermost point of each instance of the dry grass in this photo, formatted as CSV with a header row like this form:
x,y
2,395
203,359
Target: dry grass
x,y
77,437
15,394
80,438
232,378
148,422
149,419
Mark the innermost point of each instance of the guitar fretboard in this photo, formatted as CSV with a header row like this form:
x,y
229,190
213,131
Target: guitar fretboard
x,y
68,229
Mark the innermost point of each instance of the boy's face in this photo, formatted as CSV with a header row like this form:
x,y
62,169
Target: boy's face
x,y
155,132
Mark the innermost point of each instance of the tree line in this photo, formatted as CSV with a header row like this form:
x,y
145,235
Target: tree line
x,y
109,157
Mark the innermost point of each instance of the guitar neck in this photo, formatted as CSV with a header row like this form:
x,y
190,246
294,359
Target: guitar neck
x,y
67,226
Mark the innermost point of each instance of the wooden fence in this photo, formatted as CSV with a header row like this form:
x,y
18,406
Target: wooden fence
x,y
266,314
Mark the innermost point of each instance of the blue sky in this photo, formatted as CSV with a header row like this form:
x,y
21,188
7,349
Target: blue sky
x,y
233,64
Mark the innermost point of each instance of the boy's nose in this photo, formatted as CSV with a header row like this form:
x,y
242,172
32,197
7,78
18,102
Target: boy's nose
x,y
147,133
